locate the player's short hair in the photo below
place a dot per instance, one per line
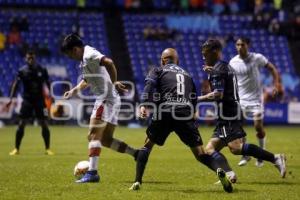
(211, 45)
(70, 41)
(245, 40)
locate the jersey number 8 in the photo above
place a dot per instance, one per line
(180, 84)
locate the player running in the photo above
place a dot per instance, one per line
(229, 131)
(99, 72)
(33, 78)
(246, 66)
(171, 91)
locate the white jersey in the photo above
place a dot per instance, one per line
(97, 76)
(248, 77)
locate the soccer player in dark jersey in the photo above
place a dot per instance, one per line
(229, 131)
(170, 92)
(33, 78)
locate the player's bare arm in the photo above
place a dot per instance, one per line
(112, 71)
(80, 86)
(12, 92)
(276, 78)
(212, 96)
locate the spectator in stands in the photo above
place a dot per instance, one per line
(14, 36)
(218, 7)
(197, 4)
(2, 41)
(262, 14)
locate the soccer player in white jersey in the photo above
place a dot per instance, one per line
(246, 65)
(99, 72)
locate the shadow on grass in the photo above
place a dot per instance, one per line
(272, 183)
(154, 182)
(195, 191)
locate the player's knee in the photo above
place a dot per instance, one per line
(259, 128)
(235, 150)
(92, 136)
(209, 150)
(106, 141)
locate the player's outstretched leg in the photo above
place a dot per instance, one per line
(19, 136)
(244, 159)
(141, 162)
(115, 144)
(278, 160)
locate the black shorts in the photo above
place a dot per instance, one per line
(159, 130)
(228, 131)
(33, 108)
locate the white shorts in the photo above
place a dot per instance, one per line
(107, 111)
(251, 109)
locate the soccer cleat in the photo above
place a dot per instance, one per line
(231, 176)
(244, 160)
(227, 186)
(136, 186)
(14, 152)
(259, 163)
(89, 177)
(280, 164)
(49, 152)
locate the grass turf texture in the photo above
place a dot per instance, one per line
(172, 172)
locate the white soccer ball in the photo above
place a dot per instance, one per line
(81, 168)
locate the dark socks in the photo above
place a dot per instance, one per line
(141, 162)
(257, 152)
(215, 161)
(46, 136)
(19, 136)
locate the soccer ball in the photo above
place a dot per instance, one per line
(81, 168)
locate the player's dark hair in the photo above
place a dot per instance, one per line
(212, 45)
(245, 40)
(70, 41)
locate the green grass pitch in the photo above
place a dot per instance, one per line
(172, 172)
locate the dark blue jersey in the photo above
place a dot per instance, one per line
(170, 85)
(33, 80)
(223, 79)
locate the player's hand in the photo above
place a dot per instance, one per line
(120, 87)
(7, 106)
(208, 69)
(143, 112)
(69, 94)
(277, 90)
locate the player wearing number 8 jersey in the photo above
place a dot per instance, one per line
(171, 90)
